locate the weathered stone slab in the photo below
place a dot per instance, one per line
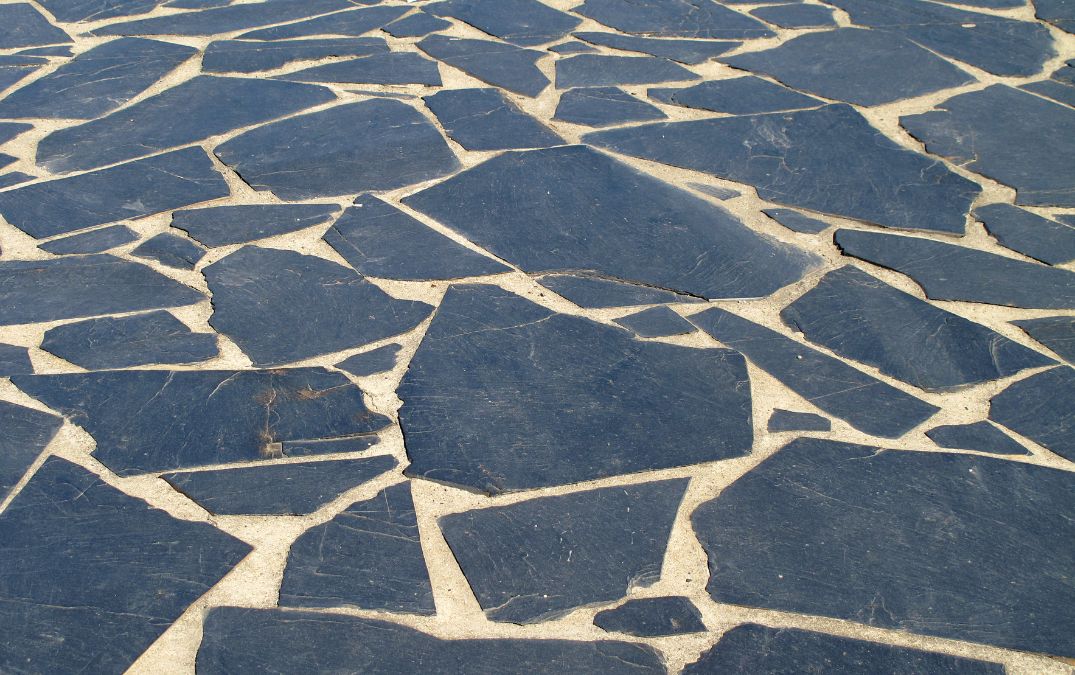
(96, 10)
(656, 322)
(572, 47)
(1058, 91)
(596, 70)
(484, 119)
(171, 250)
(1057, 12)
(598, 292)
(604, 106)
(1039, 407)
(224, 19)
(652, 617)
(1028, 233)
(371, 362)
(681, 18)
(21, 25)
(94, 241)
(684, 51)
(122, 342)
(721, 193)
(494, 63)
(9, 130)
(24, 435)
(788, 420)
(981, 436)
(738, 96)
(417, 24)
(389, 68)
(521, 22)
(795, 221)
(14, 359)
(14, 68)
(244, 56)
(223, 225)
(796, 16)
(1055, 332)
(354, 22)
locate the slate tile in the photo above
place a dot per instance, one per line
(538, 559)
(354, 22)
(122, 342)
(21, 25)
(390, 68)
(683, 51)
(789, 420)
(521, 22)
(1057, 91)
(652, 617)
(14, 359)
(370, 145)
(597, 292)
(485, 119)
(96, 10)
(596, 70)
(417, 24)
(68, 288)
(276, 489)
(1039, 407)
(118, 572)
(7, 160)
(379, 240)
(949, 272)
(26, 433)
(242, 56)
(681, 18)
(828, 160)
(603, 106)
(283, 306)
(721, 193)
(171, 250)
(796, 16)
(223, 19)
(196, 4)
(14, 178)
(494, 63)
(1060, 13)
(94, 241)
(131, 190)
(1031, 149)
(980, 436)
(148, 421)
(864, 402)
(369, 556)
(795, 221)
(942, 544)
(96, 81)
(572, 47)
(223, 225)
(751, 648)
(263, 640)
(326, 446)
(656, 322)
(738, 96)
(1055, 332)
(372, 362)
(9, 130)
(58, 50)
(505, 395)
(1028, 233)
(15, 68)
(574, 209)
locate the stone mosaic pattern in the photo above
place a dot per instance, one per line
(537, 336)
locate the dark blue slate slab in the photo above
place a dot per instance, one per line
(96, 10)
(9, 130)
(721, 193)
(58, 50)
(684, 51)
(96, 81)
(131, 190)
(196, 4)
(369, 556)
(505, 395)
(371, 362)
(69, 288)
(652, 617)
(241, 56)
(376, 144)
(860, 317)
(738, 96)
(796, 16)
(392, 68)
(981, 436)
(21, 25)
(538, 559)
(751, 648)
(171, 250)
(1030, 234)
(325, 446)
(575, 209)
(943, 544)
(521, 22)
(681, 18)
(864, 402)
(1060, 13)
(828, 160)
(793, 220)
(789, 420)
(604, 106)
(94, 241)
(24, 434)
(656, 322)
(14, 178)
(122, 342)
(494, 63)
(484, 119)
(572, 47)
(293, 489)
(379, 240)
(14, 68)
(223, 225)
(148, 421)
(118, 571)
(597, 292)
(1055, 332)
(6, 159)
(595, 70)
(14, 360)
(1039, 407)
(283, 306)
(1058, 91)
(416, 25)
(262, 640)
(224, 19)
(1031, 149)
(354, 22)
(949, 272)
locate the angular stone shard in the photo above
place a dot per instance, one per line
(738, 96)
(577, 210)
(369, 557)
(684, 51)
(788, 420)
(293, 489)
(1060, 13)
(678, 18)
(521, 22)
(371, 362)
(417, 24)
(1030, 234)
(224, 19)
(652, 617)
(595, 70)
(9, 130)
(484, 119)
(828, 160)
(21, 25)
(379, 240)
(261, 640)
(354, 22)
(538, 559)
(242, 56)
(148, 421)
(96, 10)
(15, 68)
(389, 68)
(864, 402)
(598, 292)
(1039, 407)
(122, 342)
(796, 16)
(935, 543)
(981, 436)
(795, 221)
(1055, 332)
(949, 272)
(370, 145)
(131, 190)
(721, 193)
(505, 395)
(327, 446)
(68, 288)
(14, 360)
(119, 573)
(14, 178)
(604, 106)
(94, 241)
(494, 63)
(1058, 91)
(171, 250)
(223, 225)
(656, 322)
(572, 47)
(24, 435)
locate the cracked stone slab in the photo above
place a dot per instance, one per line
(122, 342)
(596, 70)
(796, 16)
(597, 292)
(24, 435)
(14, 359)
(57, 50)
(789, 420)
(738, 96)
(418, 24)
(1039, 407)
(223, 225)
(170, 250)
(387, 68)
(541, 558)
(1060, 13)
(652, 617)
(572, 47)
(1055, 332)
(244, 56)
(21, 25)
(94, 241)
(604, 106)
(674, 18)
(119, 572)
(95, 10)
(224, 19)
(1058, 91)
(656, 322)
(795, 221)
(981, 436)
(9, 130)
(148, 421)
(526, 23)
(353, 23)
(683, 51)
(15, 68)
(495, 63)
(1032, 235)
(372, 362)
(485, 119)
(505, 395)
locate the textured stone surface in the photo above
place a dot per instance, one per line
(495, 63)
(789, 420)
(737, 95)
(793, 220)
(796, 16)
(1055, 332)
(521, 22)
(1028, 233)
(652, 617)
(122, 342)
(1039, 407)
(390, 68)
(171, 250)
(678, 18)
(684, 51)
(25, 435)
(598, 292)
(223, 225)
(596, 70)
(417, 24)
(14, 359)
(604, 106)
(371, 362)
(484, 119)
(24, 26)
(243, 56)
(656, 322)
(980, 436)
(94, 241)
(353, 22)
(224, 19)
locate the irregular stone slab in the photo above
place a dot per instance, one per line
(223, 19)
(933, 543)
(1039, 407)
(417, 24)
(241, 56)
(721, 193)
(26, 433)
(1030, 234)
(738, 96)
(575, 209)
(354, 22)
(14, 178)
(122, 342)
(684, 51)
(1057, 12)
(1055, 332)
(603, 106)
(15, 68)
(1058, 91)
(293, 489)
(376, 144)
(223, 225)
(484, 119)
(795, 221)
(326, 446)
(371, 362)
(864, 402)
(828, 160)
(596, 292)
(94, 241)
(572, 47)
(680, 18)
(949, 272)
(171, 250)
(796, 16)
(257, 640)
(541, 558)
(562, 399)
(9, 130)
(131, 190)
(14, 360)
(656, 322)
(866, 67)
(652, 617)
(980, 436)
(148, 421)
(96, 81)
(68, 288)
(283, 306)
(788, 420)
(379, 240)
(589, 70)
(58, 50)
(369, 557)
(860, 317)
(96, 10)
(521, 22)
(391, 68)
(21, 25)
(751, 648)
(494, 63)
(1033, 151)
(119, 572)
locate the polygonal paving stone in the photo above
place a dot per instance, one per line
(354, 22)
(1039, 407)
(9, 130)
(656, 322)
(1055, 332)
(1060, 13)
(494, 63)
(521, 22)
(417, 24)
(122, 342)
(788, 420)
(738, 96)
(15, 68)
(171, 250)
(96, 10)
(1028, 233)
(24, 435)
(223, 19)
(243, 56)
(595, 70)
(603, 106)
(223, 225)
(1058, 91)
(21, 25)
(981, 436)
(94, 241)
(484, 119)
(721, 193)
(14, 359)
(796, 16)
(597, 292)
(572, 47)
(795, 221)
(652, 617)
(673, 18)
(684, 51)
(390, 68)
(57, 50)
(369, 363)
